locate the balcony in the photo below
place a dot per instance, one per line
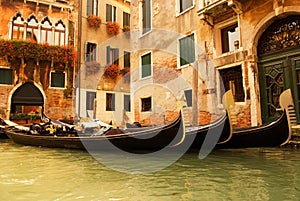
(217, 10)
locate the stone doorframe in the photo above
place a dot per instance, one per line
(14, 90)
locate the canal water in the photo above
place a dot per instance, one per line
(35, 173)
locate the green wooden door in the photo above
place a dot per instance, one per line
(278, 72)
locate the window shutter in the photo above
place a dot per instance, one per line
(146, 65)
(188, 96)
(108, 13)
(107, 54)
(116, 56)
(89, 7)
(94, 52)
(86, 52)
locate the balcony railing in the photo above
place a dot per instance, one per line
(210, 3)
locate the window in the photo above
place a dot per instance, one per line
(188, 96)
(90, 99)
(126, 59)
(17, 27)
(146, 16)
(46, 31)
(32, 29)
(60, 34)
(146, 104)
(90, 53)
(185, 4)
(232, 79)
(110, 102)
(6, 76)
(187, 50)
(111, 13)
(92, 7)
(57, 79)
(146, 65)
(126, 19)
(229, 38)
(127, 103)
(112, 55)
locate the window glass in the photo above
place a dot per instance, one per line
(185, 4)
(90, 53)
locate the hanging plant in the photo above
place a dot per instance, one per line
(112, 71)
(112, 28)
(94, 21)
(31, 50)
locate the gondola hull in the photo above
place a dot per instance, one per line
(271, 135)
(153, 138)
(216, 132)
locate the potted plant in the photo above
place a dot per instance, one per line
(112, 28)
(94, 21)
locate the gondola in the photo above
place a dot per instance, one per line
(145, 138)
(274, 134)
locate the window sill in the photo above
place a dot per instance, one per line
(145, 34)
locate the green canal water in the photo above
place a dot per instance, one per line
(35, 173)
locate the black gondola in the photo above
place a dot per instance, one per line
(145, 138)
(274, 134)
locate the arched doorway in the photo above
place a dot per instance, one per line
(27, 99)
(279, 64)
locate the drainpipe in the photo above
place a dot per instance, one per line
(79, 52)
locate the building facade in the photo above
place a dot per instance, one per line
(102, 87)
(37, 57)
(250, 47)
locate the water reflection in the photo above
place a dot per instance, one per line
(34, 173)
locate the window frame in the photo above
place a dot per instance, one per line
(141, 17)
(90, 102)
(242, 87)
(94, 7)
(143, 109)
(126, 19)
(151, 65)
(113, 10)
(127, 106)
(112, 106)
(88, 56)
(225, 43)
(178, 7)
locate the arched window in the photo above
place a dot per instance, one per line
(32, 29)
(60, 33)
(46, 31)
(17, 27)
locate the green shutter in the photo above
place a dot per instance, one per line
(89, 7)
(146, 65)
(6, 76)
(187, 50)
(58, 80)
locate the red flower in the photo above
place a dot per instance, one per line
(112, 28)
